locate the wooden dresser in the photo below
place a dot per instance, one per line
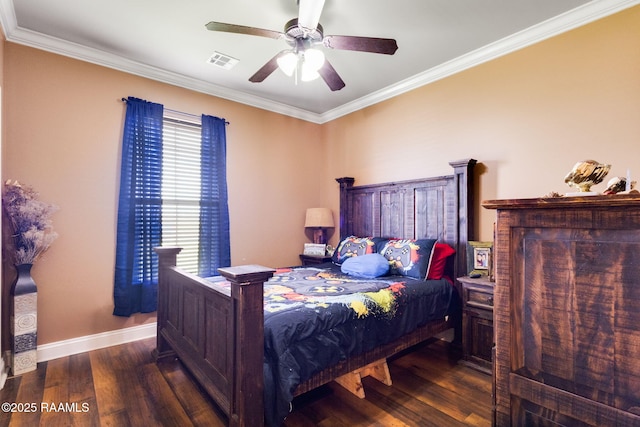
(567, 311)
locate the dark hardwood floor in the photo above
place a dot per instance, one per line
(123, 386)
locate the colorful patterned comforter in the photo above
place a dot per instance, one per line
(316, 317)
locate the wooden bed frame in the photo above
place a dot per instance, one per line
(218, 332)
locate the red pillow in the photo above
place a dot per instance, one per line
(441, 252)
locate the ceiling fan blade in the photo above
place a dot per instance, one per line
(309, 12)
(266, 70)
(241, 29)
(362, 44)
(331, 77)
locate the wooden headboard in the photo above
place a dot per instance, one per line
(436, 208)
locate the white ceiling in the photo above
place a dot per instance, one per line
(166, 40)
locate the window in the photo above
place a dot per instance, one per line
(181, 190)
(173, 191)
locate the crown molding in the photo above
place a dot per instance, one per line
(109, 60)
(7, 17)
(575, 18)
(562, 23)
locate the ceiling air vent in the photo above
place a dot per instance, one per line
(223, 61)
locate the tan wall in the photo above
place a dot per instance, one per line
(526, 117)
(64, 123)
(4, 311)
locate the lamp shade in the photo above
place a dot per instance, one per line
(287, 62)
(319, 217)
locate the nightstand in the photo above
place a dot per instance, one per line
(477, 322)
(314, 259)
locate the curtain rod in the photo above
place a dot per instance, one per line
(182, 112)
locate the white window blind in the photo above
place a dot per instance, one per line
(181, 190)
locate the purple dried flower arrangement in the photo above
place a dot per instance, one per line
(29, 220)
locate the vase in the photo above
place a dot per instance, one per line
(24, 321)
(24, 283)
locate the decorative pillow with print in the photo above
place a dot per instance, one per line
(409, 257)
(354, 246)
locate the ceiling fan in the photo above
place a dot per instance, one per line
(304, 34)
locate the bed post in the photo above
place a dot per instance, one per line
(463, 181)
(464, 190)
(345, 183)
(247, 400)
(167, 257)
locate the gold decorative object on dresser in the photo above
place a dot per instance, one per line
(567, 311)
(477, 322)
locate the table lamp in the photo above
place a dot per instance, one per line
(319, 219)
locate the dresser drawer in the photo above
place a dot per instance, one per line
(477, 298)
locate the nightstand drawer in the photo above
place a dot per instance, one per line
(476, 298)
(314, 259)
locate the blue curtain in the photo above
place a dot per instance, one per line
(139, 210)
(214, 250)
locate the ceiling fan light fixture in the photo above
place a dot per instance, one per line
(309, 12)
(313, 58)
(308, 74)
(288, 62)
(311, 61)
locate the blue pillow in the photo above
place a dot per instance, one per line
(368, 266)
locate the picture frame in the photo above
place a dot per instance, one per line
(479, 258)
(315, 249)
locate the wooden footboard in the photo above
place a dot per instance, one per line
(217, 332)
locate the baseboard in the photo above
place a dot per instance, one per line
(95, 342)
(4, 368)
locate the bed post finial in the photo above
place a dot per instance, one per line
(345, 182)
